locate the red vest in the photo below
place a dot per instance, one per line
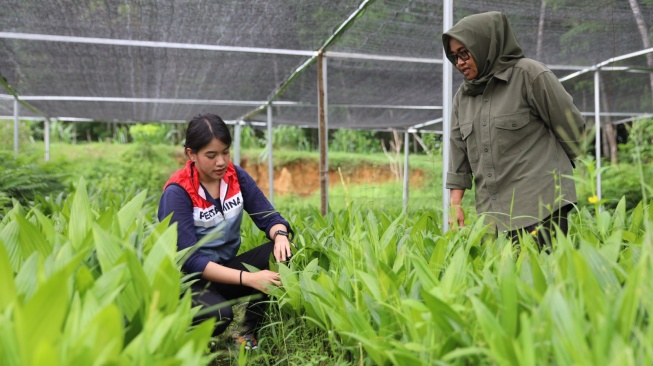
(207, 216)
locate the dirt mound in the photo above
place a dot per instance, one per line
(302, 178)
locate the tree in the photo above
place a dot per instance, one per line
(643, 32)
(540, 31)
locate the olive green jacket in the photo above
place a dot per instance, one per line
(515, 141)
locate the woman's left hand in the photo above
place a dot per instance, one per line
(282, 248)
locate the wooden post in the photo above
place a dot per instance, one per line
(16, 126)
(323, 133)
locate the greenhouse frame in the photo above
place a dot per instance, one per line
(373, 65)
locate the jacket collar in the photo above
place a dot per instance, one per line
(504, 75)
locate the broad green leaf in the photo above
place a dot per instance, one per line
(130, 211)
(159, 340)
(414, 316)
(568, 336)
(372, 228)
(81, 216)
(602, 269)
(525, 343)
(105, 335)
(494, 334)
(460, 354)
(107, 220)
(109, 285)
(509, 298)
(603, 221)
(162, 249)
(44, 353)
(84, 279)
(320, 297)
(47, 227)
(539, 280)
(10, 351)
(406, 353)
(108, 248)
(591, 292)
(603, 337)
(138, 290)
(388, 241)
(65, 256)
(612, 246)
(629, 300)
(290, 282)
(424, 273)
(31, 239)
(42, 317)
(161, 228)
(455, 274)
(637, 219)
(9, 294)
(73, 327)
(201, 333)
(437, 262)
(166, 284)
(9, 237)
(372, 285)
(619, 215)
(446, 318)
(27, 277)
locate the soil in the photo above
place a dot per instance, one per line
(302, 178)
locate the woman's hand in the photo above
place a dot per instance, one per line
(261, 280)
(458, 218)
(457, 215)
(282, 248)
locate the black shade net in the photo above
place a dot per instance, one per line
(400, 87)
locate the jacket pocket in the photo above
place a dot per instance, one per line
(513, 132)
(466, 131)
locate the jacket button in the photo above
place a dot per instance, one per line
(514, 125)
(485, 149)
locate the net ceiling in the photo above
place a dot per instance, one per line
(172, 81)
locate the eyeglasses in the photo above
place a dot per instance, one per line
(463, 55)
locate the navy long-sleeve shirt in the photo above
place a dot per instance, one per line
(177, 201)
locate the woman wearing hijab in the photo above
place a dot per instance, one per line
(514, 131)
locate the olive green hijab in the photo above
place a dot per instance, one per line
(492, 43)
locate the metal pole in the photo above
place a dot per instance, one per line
(447, 81)
(16, 106)
(46, 138)
(237, 137)
(597, 128)
(406, 151)
(270, 163)
(323, 132)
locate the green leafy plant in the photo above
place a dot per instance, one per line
(354, 141)
(365, 285)
(89, 286)
(150, 133)
(251, 138)
(7, 134)
(290, 137)
(639, 147)
(23, 179)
